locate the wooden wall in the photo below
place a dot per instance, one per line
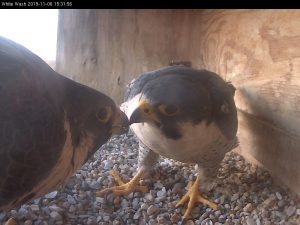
(258, 50)
(106, 49)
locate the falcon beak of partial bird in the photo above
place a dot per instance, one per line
(143, 113)
(120, 123)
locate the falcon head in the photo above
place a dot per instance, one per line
(168, 101)
(99, 117)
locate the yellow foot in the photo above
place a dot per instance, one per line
(124, 188)
(11, 221)
(193, 197)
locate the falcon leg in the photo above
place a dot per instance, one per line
(124, 188)
(193, 197)
(11, 221)
(147, 159)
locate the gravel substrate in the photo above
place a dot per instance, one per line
(246, 194)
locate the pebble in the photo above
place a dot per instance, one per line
(281, 215)
(72, 209)
(175, 218)
(2, 216)
(51, 195)
(161, 193)
(28, 222)
(136, 215)
(108, 164)
(91, 221)
(235, 197)
(151, 210)
(144, 206)
(190, 222)
(100, 200)
(135, 203)
(245, 195)
(124, 203)
(34, 207)
(106, 218)
(71, 200)
(258, 221)
(281, 203)
(290, 210)
(278, 195)
(248, 207)
(250, 221)
(148, 197)
(55, 215)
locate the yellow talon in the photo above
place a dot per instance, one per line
(11, 221)
(117, 177)
(193, 197)
(124, 188)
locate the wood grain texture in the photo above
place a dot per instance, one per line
(257, 50)
(260, 56)
(106, 49)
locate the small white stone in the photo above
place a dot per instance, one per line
(248, 207)
(190, 222)
(108, 164)
(28, 222)
(116, 222)
(258, 221)
(51, 195)
(55, 208)
(151, 210)
(71, 200)
(106, 218)
(124, 203)
(2, 215)
(144, 206)
(278, 195)
(91, 221)
(72, 209)
(35, 208)
(290, 210)
(136, 215)
(234, 197)
(161, 194)
(250, 221)
(55, 215)
(148, 197)
(100, 200)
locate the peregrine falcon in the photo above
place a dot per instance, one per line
(183, 114)
(49, 125)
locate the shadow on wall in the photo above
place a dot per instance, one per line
(276, 149)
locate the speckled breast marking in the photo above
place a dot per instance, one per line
(199, 142)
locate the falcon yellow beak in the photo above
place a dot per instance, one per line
(143, 113)
(120, 123)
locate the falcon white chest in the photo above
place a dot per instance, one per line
(199, 142)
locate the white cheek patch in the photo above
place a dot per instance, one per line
(129, 106)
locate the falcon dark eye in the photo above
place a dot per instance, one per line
(104, 114)
(168, 110)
